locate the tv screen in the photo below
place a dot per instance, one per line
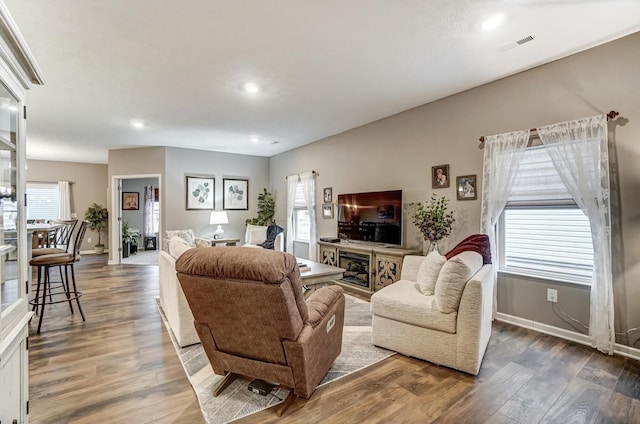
(373, 217)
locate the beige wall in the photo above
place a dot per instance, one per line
(90, 186)
(398, 153)
(183, 162)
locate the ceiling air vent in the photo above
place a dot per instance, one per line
(517, 43)
(525, 39)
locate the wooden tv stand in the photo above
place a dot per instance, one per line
(368, 267)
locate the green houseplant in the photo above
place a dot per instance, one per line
(97, 216)
(433, 219)
(129, 240)
(266, 210)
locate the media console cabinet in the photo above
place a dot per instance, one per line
(368, 267)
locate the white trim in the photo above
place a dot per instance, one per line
(620, 349)
(21, 51)
(115, 211)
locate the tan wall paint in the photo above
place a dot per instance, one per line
(398, 152)
(90, 186)
(183, 162)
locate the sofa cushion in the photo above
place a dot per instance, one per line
(404, 302)
(453, 278)
(429, 271)
(177, 246)
(186, 235)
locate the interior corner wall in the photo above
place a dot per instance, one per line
(90, 182)
(181, 163)
(398, 152)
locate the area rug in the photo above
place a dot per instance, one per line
(237, 401)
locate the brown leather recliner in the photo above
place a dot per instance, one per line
(253, 320)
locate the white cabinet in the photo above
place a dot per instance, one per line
(18, 72)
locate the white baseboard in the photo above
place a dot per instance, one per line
(620, 349)
(91, 252)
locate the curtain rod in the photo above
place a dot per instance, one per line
(48, 182)
(313, 172)
(610, 115)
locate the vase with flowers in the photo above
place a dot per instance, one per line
(433, 219)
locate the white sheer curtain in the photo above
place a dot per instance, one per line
(579, 151)
(502, 156)
(147, 218)
(308, 182)
(64, 200)
(292, 182)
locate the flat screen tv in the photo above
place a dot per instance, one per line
(371, 217)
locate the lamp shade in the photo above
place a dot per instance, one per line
(218, 217)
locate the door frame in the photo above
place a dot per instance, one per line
(115, 214)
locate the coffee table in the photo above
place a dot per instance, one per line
(317, 274)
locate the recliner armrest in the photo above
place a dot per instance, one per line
(321, 301)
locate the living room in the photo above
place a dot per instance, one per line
(399, 151)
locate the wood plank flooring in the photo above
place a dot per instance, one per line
(120, 367)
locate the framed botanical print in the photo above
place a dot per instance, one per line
(440, 176)
(235, 195)
(466, 187)
(200, 192)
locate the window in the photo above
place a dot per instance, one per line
(301, 219)
(543, 233)
(42, 201)
(551, 242)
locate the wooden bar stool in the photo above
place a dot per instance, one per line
(65, 290)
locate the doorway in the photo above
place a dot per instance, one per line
(136, 222)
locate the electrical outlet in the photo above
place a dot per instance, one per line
(552, 295)
(88, 239)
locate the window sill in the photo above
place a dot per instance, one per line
(542, 277)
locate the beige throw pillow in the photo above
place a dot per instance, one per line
(429, 271)
(177, 246)
(257, 235)
(453, 278)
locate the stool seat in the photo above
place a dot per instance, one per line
(53, 259)
(46, 251)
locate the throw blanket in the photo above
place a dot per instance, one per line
(476, 243)
(272, 232)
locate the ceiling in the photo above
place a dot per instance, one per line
(324, 66)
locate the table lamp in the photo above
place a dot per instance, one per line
(218, 218)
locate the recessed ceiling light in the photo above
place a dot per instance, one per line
(250, 87)
(254, 139)
(493, 22)
(137, 124)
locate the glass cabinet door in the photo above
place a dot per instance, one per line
(11, 291)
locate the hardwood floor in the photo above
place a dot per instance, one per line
(120, 367)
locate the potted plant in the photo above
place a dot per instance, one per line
(97, 216)
(433, 219)
(129, 240)
(266, 210)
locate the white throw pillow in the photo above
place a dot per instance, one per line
(177, 246)
(429, 271)
(453, 278)
(257, 235)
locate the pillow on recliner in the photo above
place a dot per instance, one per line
(429, 271)
(453, 278)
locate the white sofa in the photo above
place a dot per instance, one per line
(172, 299)
(257, 234)
(448, 323)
